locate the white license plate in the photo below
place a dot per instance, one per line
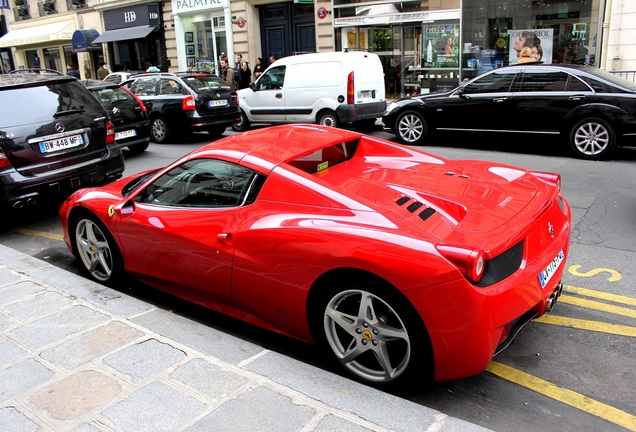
(125, 134)
(364, 94)
(61, 143)
(548, 272)
(216, 103)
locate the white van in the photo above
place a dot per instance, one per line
(325, 88)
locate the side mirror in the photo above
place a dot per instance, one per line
(461, 92)
(253, 86)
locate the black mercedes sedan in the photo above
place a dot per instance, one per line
(591, 109)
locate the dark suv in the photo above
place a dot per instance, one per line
(55, 137)
(185, 102)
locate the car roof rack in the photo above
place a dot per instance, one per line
(36, 70)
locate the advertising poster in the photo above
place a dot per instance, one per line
(538, 42)
(441, 46)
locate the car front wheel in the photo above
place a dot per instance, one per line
(592, 138)
(159, 130)
(411, 128)
(97, 250)
(372, 335)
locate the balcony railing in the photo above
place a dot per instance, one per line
(627, 74)
(47, 7)
(75, 4)
(21, 12)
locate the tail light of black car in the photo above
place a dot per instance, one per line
(110, 132)
(188, 103)
(4, 160)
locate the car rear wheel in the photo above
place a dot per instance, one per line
(328, 118)
(243, 125)
(411, 128)
(138, 148)
(97, 250)
(372, 334)
(592, 138)
(216, 131)
(159, 130)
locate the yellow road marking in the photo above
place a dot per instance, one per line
(563, 395)
(48, 235)
(600, 295)
(597, 326)
(613, 278)
(594, 305)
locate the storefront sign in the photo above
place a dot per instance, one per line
(4, 4)
(132, 16)
(181, 6)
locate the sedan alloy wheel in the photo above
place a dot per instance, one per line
(592, 139)
(411, 128)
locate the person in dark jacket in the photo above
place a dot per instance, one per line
(71, 70)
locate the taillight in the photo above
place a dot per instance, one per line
(471, 262)
(188, 104)
(350, 91)
(237, 99)
(4, 160)
(110, 132)
(139, 101)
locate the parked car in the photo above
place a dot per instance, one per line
(120, 77)
(330, 89)
(185, 102)
(591, 109)
(397, 261)
(55, 137)
(127, 112)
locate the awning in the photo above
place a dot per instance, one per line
(82, 41)
(57, 31)
(124, 34)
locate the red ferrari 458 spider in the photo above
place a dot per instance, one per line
(397, 261)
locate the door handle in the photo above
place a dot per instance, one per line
(577, 97)
(225, 238)
(279, 95)
(499, 100)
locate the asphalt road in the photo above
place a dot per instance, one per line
(572, 371)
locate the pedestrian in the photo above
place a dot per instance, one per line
(103, 71)
(72, 70)
(246, 76)
(272, 59)
(227, 73)
(259, 68)
(238, 70)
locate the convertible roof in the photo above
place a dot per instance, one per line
(268, 147)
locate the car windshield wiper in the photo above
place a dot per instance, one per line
(68, 112)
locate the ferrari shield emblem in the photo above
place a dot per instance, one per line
(111, 210)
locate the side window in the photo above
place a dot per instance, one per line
(576, 85)
(543, 81)
(201, 183)
(144, 87)
(272, 79)
(496, 82)
(170, 87)
(599, 86)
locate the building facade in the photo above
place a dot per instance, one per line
(424, 45)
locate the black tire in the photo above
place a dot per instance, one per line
(592, 138)
(96, 250)
(385, 344)
(411, 128)
(159, 130)
(216, 131)
(138, 148)
(328, 118)
(243, 125)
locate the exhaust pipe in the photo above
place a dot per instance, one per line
(31, 201)
(551, 301)
(18, 204)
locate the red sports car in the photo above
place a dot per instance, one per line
(398, 261)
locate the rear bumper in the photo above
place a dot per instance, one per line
(359, 112)
(18, 191)
(222, 119)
